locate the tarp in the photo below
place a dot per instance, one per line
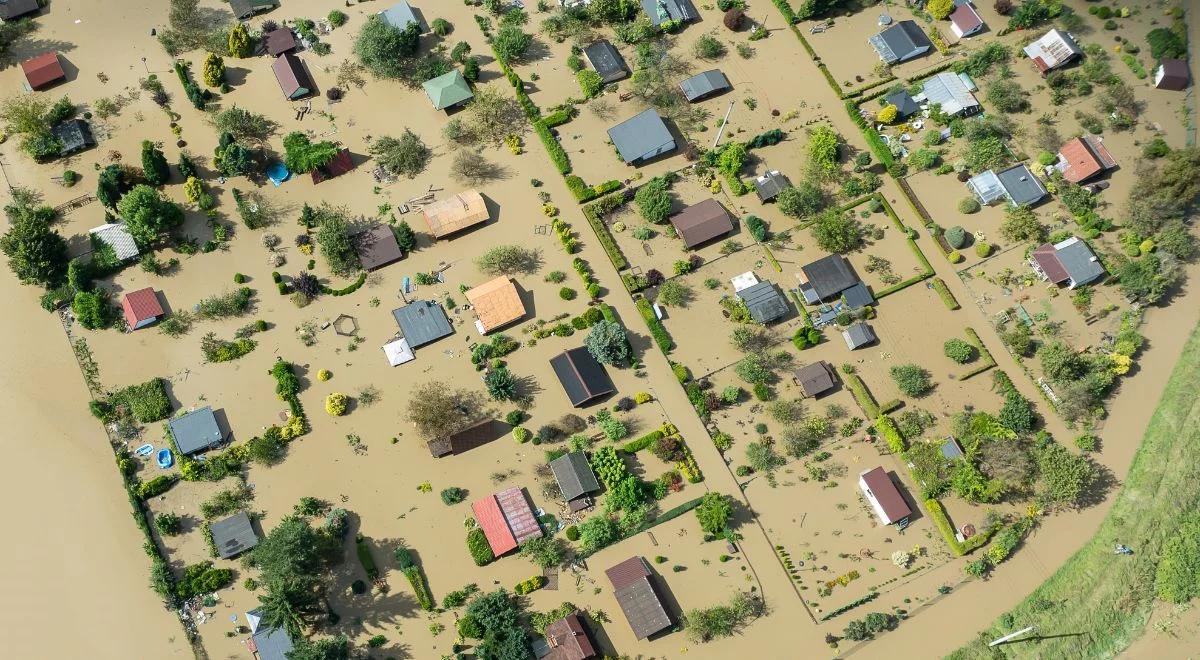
(398, 352)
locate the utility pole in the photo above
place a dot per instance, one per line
(1009, 636)
(721, 131)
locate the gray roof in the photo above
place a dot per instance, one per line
(272, 643)
(642, 137)
(233, 535)
(902, 41)
(1021, 186)
(858, 335)
(951, 449)
(574, 475)
(816, 378)
(400, 15)
(10, 9)
(606, 60)
(905, 105)
(196, 431)
(75, 135)
(639, 601)
(769, 185)
(248, 8)
(765, 302)
(117, 236)
(986, 186)
(582, 377)
(422, 322)
(704, 85)
(858, 296)
(949, 91)
(829, 276)
(660, 10)
(1079, 261)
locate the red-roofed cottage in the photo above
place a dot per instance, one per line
(141, 308)
(1083, 158)
(885, 499)
(965, 21)
(506, 519)
(341, 163)
(43, 70)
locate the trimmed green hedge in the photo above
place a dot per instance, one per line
(861, 394)
(558, 155)
(585, 193)
(351, 288)
(891, 434)
(945, 293)
(644, 442)
(938, 513)
(602, 234)
(478, 546)
(657, 330)
(986, 361)
(557, 118)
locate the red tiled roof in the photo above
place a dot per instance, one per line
(141, 305)
(885, 494)
(569, 640)
(518, 514)
(627, 572)
(1047, 259)
(1084, 159)
(43, 69)
(965, 18)
(495, 528)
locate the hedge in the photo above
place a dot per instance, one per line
(351, 288)
(771, 258)
(585, 193)
(557, 118)
(862, 395)
(364, 557)
(945, 293)
(891, 434)
(660, 334)
(480, 549)
(558, 155)
(156, 486)
(872, 136)
(604, 236)
(851, 605)
(644, 442)
(938, 513)
(986, 360)
(912, 244)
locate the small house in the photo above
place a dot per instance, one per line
(769, 185)
(267, 642)
(141, 308)
(950, 92)
(642, 137)
(454, 214)
(497, 303)
(506, 519)
(1016, 184)
(815, 379)
(196, 431)
(581, 376)
(858, 335)
(704, 85)
(575, 479)
(75, 136)
(11, 10)
(826, 278)
(1069, 262)
(448, 90)
(858, 296)
(568, 639)
(1083, 158)
(1053, 50)
(467, 439)
(244, 9)
(906, 105)
(1172, 74)
(883, 496)
(765, 302)
(901, 42)
(292, 77)
(422, 322)
(377, 247)
(279, 41)
(340, 164)
(701, 223)
(42, 71)
(117, 237)
(233, 535)
(638, 598)
(606, 60)
(965, 21)
(659, 11)
(400, 16)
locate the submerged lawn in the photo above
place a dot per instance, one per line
(1096, 604)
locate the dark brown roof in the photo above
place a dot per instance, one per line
(702, 222)
(1047, 259)
(569, 640)
(816, 378)
(280, 41)
(582, 377)
(467, 439)
(341, 163)
(890, 502)
(10, 9)
(637, 597)
(1174, 75)
(292, 77)
(377, 247)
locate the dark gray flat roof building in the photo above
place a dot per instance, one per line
(234, 535)
(606, 60)
(858, 335)
(574, 475)
(642, 137)
(75, 135)
(675, 10)
(765, 302)
(639, 600)
(858, 296)
(902, 41)
(582, 377)
(1021, 186)
(704, 85)
(829, 276)
(422, 322)
(196, 431)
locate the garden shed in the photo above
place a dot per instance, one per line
(606, 60)
(75, 136)
(268, 642)
(906, 105)
(1084, 157)
(829, 276)
(642, 137)
(377, 247)
(14, 9)
(244, 9)
(765, 302)
(497, 303)
(339, 165)
(769, 185)
(467, 439)
(568, 639)
(950, 91)
(965, 21)
(1016, 184)
(448, 90)
(398, 352)
(1172, 74)
(141, 308)
(422, 322)
(506, 519)
(704, 85)
(454, 214)
(669, 10)
(1069, 262)
(638, 598)
(815, 379)
(233, 535)
(116, 236)
(858, 296)
(858, 335)
(901, 42)
(700, 223)
(279, 41)
(883, 496)
(196, 431)
(43, 70)
(574, 476)
(1053, 50)
(292, 77)
(400, 15)
(581, 376)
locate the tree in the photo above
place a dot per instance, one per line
(1064, 476)
(924, 159)
(838, 232)
(510, 43)
(303, 155)
(612, 12)
(334, 240)
(1017, 414)
(749, 339)
(823, 144)
(732, 158)
(25, 114)
(653, 200)
(911, 379)
(214, 70)
(800, 201)
(406, 238)
(36, 253)
(439, 411)
(472, 168)
(110, 185)
(708, 47)
(597, 532)
(590, 82)
(243, 124)
(1021, 225)
(1176, 240)
(675, 293)
(240, 44)
(12, 30)
(384, 49)
(958, 350)
(714, 513)
(491, 115)
(1149, 278)
(471, 70)
(1060, 362)
(501, 384)
(148, 215)
(406, 155)
(1019, 339)
(1167, 44)
(327, 648)
(606, 341)
(233, 159)
(154, 164)
(508, 260)
(754, 369)
(1007, 96)
(939, 9)
(544, 551)
(762, 457)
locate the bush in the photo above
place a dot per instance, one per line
(453, 495)
(572, 533)
(983, 249)
(336, 404)
(477, 545)
(590, 82)
(912, 379)
(707, 47)
(956, 237)
(1089, 443)
(653, 200)
(757, 227)
(168, 524)
(441, 27)
(958, 350)
(567, 293)
(521, 434)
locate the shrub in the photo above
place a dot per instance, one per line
(757, 227)
(567, 293)
(887, 114)
(441, 27)
(707, 47)
(477, 545)
(336, 404)
(572, 533)
(983, 249)
(956, 237)
(955, 257)
(147, 402)
(958, 350)
(168, 524)
(521, 434)
(653, 200)
(590, 82)
(1087, 442)
(453, 495)
(912, 379)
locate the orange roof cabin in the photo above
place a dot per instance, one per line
(497, 303)
(454, 214)
(1083, 158)
(43, 70)
(506, 519)
(141, 308)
